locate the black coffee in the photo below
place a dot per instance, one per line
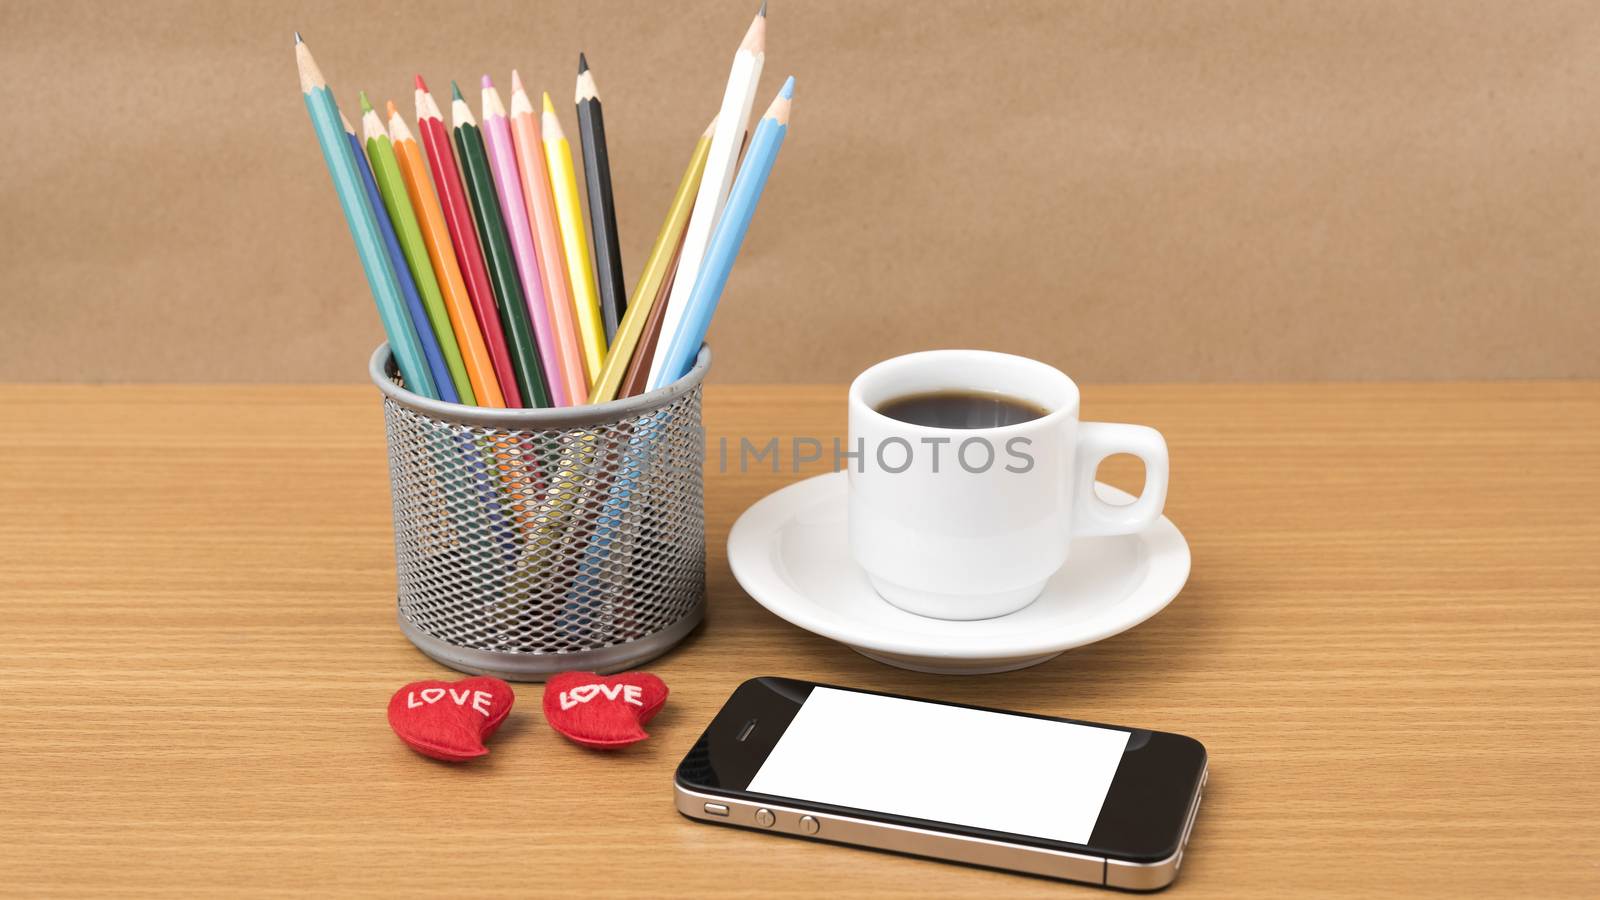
(961, 409)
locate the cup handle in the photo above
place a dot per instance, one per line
(1098, 440)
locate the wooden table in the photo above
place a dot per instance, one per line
(1390, 644)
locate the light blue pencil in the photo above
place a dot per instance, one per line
(726, 239)
(358, 214)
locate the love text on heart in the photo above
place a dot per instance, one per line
(429, 696)
(630, 693)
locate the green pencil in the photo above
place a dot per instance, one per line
(361, 217)
(497, 253)
(392, 187)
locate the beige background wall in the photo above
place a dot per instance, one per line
(1135, 191)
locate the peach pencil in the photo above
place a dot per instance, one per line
(569, 212)
(529, 144)
(508, 182)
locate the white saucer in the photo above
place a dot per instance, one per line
(790, 552)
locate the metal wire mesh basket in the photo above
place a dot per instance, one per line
(535, 541)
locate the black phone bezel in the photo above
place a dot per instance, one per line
(1141, 821)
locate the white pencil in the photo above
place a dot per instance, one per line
(721, 163)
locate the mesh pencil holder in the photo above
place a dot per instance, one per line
(535, 541)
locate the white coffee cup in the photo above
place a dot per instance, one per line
(942, 535)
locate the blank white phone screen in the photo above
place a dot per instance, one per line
(947, 764)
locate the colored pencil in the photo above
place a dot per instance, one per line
(732, 120)
(452, 287)
(392, 188)
(637, 380)
(362, 220)
(580, 272)
(668, 239)
(547, 233)
(464, 238)
(514, 209)
(726, 240)
(497, 252)
(440, 373)
(602, 202)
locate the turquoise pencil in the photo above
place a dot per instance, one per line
(726, 239)
(358, 214)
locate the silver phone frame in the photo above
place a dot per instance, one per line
(944, 845)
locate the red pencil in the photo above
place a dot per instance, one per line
(453, 197)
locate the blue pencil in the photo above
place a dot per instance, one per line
(444, 387)
(358, 214)
(726, 239)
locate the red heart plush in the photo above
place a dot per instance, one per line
(603, 712)
(449, 720)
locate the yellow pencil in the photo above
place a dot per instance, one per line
(655, 269)
(580, 269)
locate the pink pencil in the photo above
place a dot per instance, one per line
(503, 160)
(547, 233)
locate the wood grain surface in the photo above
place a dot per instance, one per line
(1389, 645)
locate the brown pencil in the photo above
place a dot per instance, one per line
(638, 377)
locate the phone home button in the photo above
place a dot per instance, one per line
(764, 817)
(809, 825)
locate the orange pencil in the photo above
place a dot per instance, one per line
(436, 234)
(541, 211)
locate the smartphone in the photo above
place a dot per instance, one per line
(1037, 794)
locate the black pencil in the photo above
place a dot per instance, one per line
(602, 203)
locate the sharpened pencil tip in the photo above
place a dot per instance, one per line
(422, 85)
(297, 38)
(366, 105)
(548, 106)
(762, 12)
(583, 63)
(389, 108)
(487, 82)
(788, 89)
(516, 82)
(455, 91)
(755, 37)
